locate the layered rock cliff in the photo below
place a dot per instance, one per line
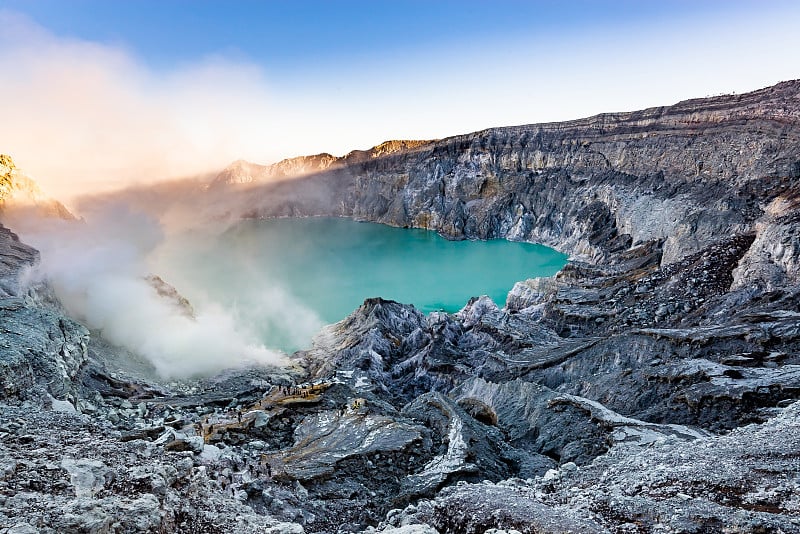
(42, 351)
(684, 174)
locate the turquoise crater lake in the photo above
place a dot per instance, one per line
(287, 277)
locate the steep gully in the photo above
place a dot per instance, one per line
(599, 400)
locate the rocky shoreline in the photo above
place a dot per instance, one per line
(650, 386)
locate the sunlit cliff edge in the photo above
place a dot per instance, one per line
(20, 192)
(243, 172)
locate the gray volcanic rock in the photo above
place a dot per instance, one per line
(469, 449)
(168, 292)
(41, 351)
(772, 259)
(15, 257)
(399, 353)
(745, 481)
(323, 439)
(506, 507)
(650, 386)
(65, 473)
(563, 427)
(391, 349)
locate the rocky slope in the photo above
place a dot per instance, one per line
(651, 386)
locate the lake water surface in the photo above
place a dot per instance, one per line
(289, 276)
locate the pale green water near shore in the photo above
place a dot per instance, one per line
(287, 277)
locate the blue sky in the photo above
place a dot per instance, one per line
(292, 35)
(186, 86)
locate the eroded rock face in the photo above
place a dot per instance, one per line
(772, 260)
(41, 350)
(15, 257)
(742, 482)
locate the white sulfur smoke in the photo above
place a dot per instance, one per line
(98, 270)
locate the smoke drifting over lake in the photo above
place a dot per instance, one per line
(99, 270)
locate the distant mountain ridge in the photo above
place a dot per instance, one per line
(245, 172)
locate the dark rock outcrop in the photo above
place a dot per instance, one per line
(736, 483)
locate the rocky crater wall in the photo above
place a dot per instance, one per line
(685, 175)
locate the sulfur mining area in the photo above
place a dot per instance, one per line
(651, 385)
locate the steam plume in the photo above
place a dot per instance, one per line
(98, 270)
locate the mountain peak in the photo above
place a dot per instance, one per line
(7, 172)
(245, 172)
(20, 191)
(6, 163)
